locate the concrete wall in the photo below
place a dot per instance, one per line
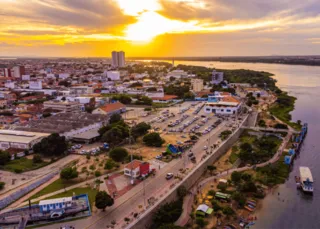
(145, 219)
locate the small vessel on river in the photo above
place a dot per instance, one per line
(306, 180)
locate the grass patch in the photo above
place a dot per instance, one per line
(233, 158)
(54, 186)
(22, 165)
(282, 109)
(76, 191)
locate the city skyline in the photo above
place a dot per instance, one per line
(60, 28)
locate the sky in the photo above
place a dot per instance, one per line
(94, 28)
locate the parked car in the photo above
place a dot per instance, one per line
(159, 157)
(169, 176)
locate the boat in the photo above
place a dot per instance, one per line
(306, 180)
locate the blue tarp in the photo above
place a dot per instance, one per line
(287, 160)
(291, 151)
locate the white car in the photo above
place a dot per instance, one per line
(205, 147)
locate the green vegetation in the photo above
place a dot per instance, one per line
(125, 99)
(53, 145)
(118, 154)
(167, 214)
(273, 174)
(103, 200)
(54, 186)
(177, 90)
(4, 157)
(233, 157)
(115, 132)
(144, 100)
(153, 139)
(2, 184)
(225, 134)
(110, 164)
(262, 123)
(22, 165)
(256, 150)
(69, 173)
(140, 129)
(282, 108)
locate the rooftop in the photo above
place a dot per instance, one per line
(112, 107)
(57, 200)
(20, 136)
(133, 164)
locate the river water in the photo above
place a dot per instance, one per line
(291, 208)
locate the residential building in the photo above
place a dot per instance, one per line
(10, 84)
(19, 139)
(80, 90)
(256, 92)
(25, 77)
(110, 109)
(3, 103)
(165, 99)
(178, 74)
(62, 75)
(217, 77)
(222, 103)
(18, 71)
(137, 168)
(118, 59)
(62, 106)
(197, 85)
(113, 75)
(35, 84)
(7, 72)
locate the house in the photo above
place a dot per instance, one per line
(222, 103)
(165, 99)
(256, 92)
(203, 210)
(137, 168)
(111, 108)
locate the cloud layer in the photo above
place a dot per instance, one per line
(36, 27)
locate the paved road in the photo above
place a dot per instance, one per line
(155, 187)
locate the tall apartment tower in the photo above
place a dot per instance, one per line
(118, 59)
(18, 71)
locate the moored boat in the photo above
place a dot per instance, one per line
(306, 179)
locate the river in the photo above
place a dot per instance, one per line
(291, 208)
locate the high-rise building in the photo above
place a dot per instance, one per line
(18, 71)
(217, 77)
(118, 59)
(197, 85)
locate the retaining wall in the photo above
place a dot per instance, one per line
(145, 219)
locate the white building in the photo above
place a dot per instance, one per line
(113, 75)
(197, 85)
(10, 84)
(80, 90)
(217, 77)
(35, 85)
(63, 75)
(222, 103)
(19, 139)
(178, 74)
(25, 77)
(118, 59)
(63, 106)
(18, 71)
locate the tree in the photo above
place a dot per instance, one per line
(140, 129)
(103, 200)
(118, 154)
(37, 159)
(201, 222)
(110, 164)
(182, 191)
(115, 118)
(69, 173)
(4, 157)
(153, 139)
(211, 168)
(2, 184)
(170, 226)
(235, 177)
(228, 211)
(246, 147)
(262, 123)
(115, 135)
(53, 145)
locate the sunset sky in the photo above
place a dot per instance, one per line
(87, 28)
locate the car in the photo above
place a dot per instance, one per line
(159, 157)
(205, 147)
(169, 176)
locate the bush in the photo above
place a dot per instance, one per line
(167, 213)
(4, 157)
(2, 184)
(69, 173)
(235, 177)
(97, 173)
(115, 118)
(36, 159)
(211, 192)
(118, 154)
(222, 187)
(216, 206)
(262, 123)
(228, 211)
(182, 191)
(110, 164)
(153, 139)
(201, 222)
